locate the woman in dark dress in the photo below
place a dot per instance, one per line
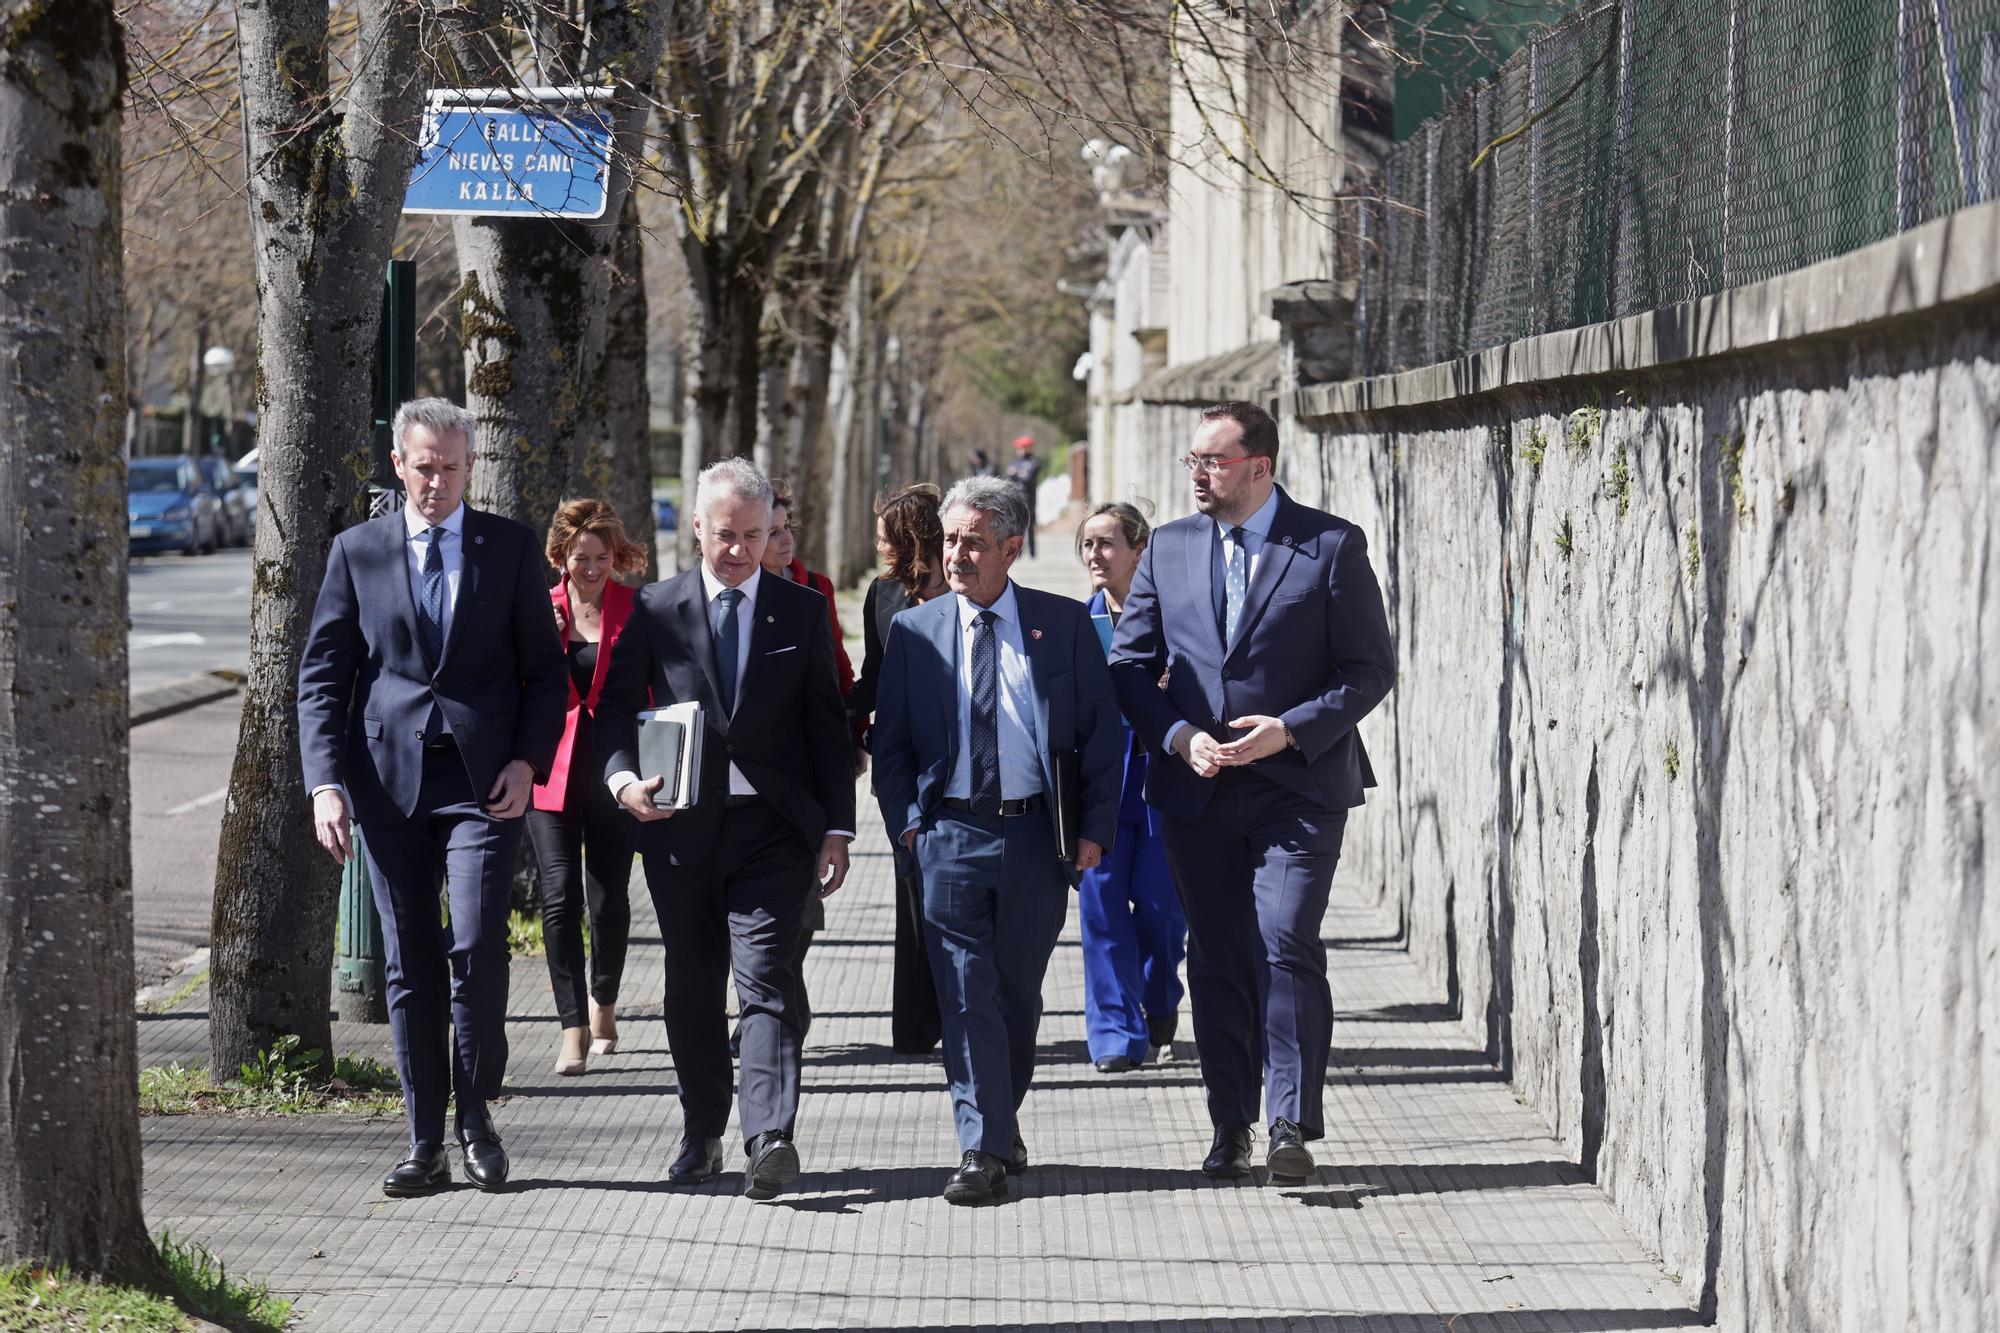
(909, 536)
(582, 839)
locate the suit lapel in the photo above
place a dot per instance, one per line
(762, 630)
(1272, 562)
(1201, 545)
(691, 611)
(617, 608)
(396, 549)
(945, 635)
(471, 539)
(1043, 658)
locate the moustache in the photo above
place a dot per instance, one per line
(967, 570)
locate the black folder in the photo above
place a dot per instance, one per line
(670, 748)
(1066, 801)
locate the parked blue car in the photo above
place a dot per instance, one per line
(172, 507)
(665, 517)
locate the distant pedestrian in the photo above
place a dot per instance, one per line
(982, 466)
(731, 876)
(429, 723)
(1272, 621)
(1134, 935)
(909, 539)
(582, 839)
(1024, 472)
(986, 697)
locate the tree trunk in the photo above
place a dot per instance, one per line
(622, 468)
(69, 1123)
(325, 194)
(724, 380)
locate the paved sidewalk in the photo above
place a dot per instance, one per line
(1441, 1202)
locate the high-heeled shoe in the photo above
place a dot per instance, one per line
(603, 1028)
(571, 1060)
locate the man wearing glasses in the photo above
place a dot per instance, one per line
(1265, 621)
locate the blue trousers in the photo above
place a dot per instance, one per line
(1134, 938)
(995, 895)
(444, 980)
(1254, 874)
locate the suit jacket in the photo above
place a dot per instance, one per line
(916, 709)
(789, 733)
(365, 689)
(1132, 806)
(618, 600)
(1312, 647)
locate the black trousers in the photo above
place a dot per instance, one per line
(444, 979)
(585, 857)
(915, 1024)
(738, 912)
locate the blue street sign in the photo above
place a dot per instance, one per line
(513, 161)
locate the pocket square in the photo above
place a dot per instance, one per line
(788, 648)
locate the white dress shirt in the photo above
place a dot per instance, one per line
(1256, 531)
(712, 587)
(1020, 760)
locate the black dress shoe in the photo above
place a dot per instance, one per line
(1017, 1165)
(980, 1178)
(1117, 1064)
(699, 1160)
(1230, 1157)
(1160, 1028)
(485, 1159)
(424, 1170)
(774, 1164)
(1287, 1158)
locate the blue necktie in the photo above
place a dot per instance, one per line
(725, 647)
(430, 617)
(1235, 586)
(985, 717)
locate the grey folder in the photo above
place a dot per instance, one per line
(670, 748)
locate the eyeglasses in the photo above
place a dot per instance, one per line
(1203, 465)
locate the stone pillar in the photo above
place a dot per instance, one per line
(1316, 344)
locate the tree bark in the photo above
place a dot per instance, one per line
(325, 193)
(535, 290)
(69, 1122)
(621, 470)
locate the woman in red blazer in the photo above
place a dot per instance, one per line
(582, 840)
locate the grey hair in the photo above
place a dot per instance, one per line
(997, 498)
(736, 477)
(440, 416)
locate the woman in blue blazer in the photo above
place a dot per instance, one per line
(1134, 935)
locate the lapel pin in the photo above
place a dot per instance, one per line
(1034, 634)
(479, 541)
(770, 620)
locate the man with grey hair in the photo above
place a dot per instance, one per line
(993, 704)
(431, 699)
(731, 876)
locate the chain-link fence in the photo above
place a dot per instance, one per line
(1652, 151)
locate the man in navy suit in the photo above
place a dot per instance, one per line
(985, 696)
(732, 876)
(1252, 643)
(431, 698)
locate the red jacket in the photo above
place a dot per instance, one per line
(617, 609)
(823, 585)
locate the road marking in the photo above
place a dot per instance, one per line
(141, 642)
(189, 807)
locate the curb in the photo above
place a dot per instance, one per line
(177, 696)
(186, 971)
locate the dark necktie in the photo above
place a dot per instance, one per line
(725, 647)
(430, 617)
(985, 717)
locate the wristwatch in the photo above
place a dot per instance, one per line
(1291, 741)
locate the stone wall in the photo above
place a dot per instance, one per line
(1693, 761)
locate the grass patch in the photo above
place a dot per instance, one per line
(1585, 425)
(1732, 466)
(1535, 448)
(524, 934)
(1673, 761)
(1693, 558)
(1566, 538)
(1620, 485)
(182, 994)
(36, 1298)
(279, 1082)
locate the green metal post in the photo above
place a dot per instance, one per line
(357, 968)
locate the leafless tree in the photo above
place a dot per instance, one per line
(69, 1124)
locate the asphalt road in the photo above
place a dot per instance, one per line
(180, 774)
(189, 615)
